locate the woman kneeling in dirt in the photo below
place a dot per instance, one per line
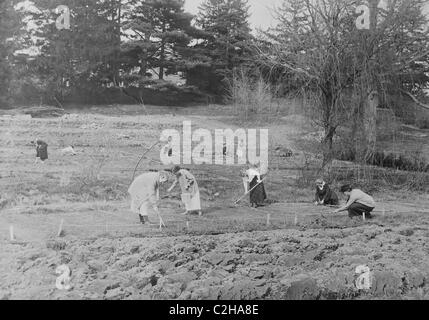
(144, 193)
(190, 191)
(358, 202)
(41, 150)
(324, 194)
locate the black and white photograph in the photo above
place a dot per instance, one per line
(244, 151)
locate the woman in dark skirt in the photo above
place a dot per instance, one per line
(252, 177)
(41, 150)
(257, 195)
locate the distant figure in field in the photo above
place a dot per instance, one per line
(324, 194)
(252, 180)
(68, 151)
(190, 191)
(168, 148)
(241, 152)
(358, 202)
(144, 192)
(41, 150)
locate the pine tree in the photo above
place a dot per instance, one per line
(86, 53)
(158, 30)
(224, 43)
(9, 32)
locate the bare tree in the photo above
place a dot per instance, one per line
(346, 71)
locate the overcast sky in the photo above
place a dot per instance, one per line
(260, 10)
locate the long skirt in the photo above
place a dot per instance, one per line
(257, 195)
(192, 201)
(42, 152)
(144, 207)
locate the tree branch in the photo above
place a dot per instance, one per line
(419, 103)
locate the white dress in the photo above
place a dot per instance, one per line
(190, 191)
(144, 192)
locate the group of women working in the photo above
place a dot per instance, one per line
(144, 190)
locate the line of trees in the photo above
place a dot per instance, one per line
(315, 50)
(127, 42)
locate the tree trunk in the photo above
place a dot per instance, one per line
(162, 55)
(370, 127)
(161, 60)
(327, 145)
(143, 65)
(372, 100)
(116, 23)
(357, 132)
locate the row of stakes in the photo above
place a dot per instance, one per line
(60, 229)
(268, 221)
(188, 226)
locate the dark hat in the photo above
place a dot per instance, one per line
(345, 188)
(175, 169)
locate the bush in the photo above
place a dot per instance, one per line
(372, 179)
(154, 92)
(399, 162)
(414, 162)
(248, 95)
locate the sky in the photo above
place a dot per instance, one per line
(260, 10)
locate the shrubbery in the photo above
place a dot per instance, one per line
(383, 159)
(154, 92)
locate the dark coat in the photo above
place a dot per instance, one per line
(328, 196)
(41, 150)
(257, 195)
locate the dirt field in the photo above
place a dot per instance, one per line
(289, 249)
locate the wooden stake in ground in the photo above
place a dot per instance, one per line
(12, 235)
(296, 219)
(363, 216)
(187, 225)
(60, 229)
(161, 222)
(268, 219)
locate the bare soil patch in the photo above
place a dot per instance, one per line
(288, 249)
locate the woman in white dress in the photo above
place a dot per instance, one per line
(241, 150)
(190, 191)
(144, 192)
